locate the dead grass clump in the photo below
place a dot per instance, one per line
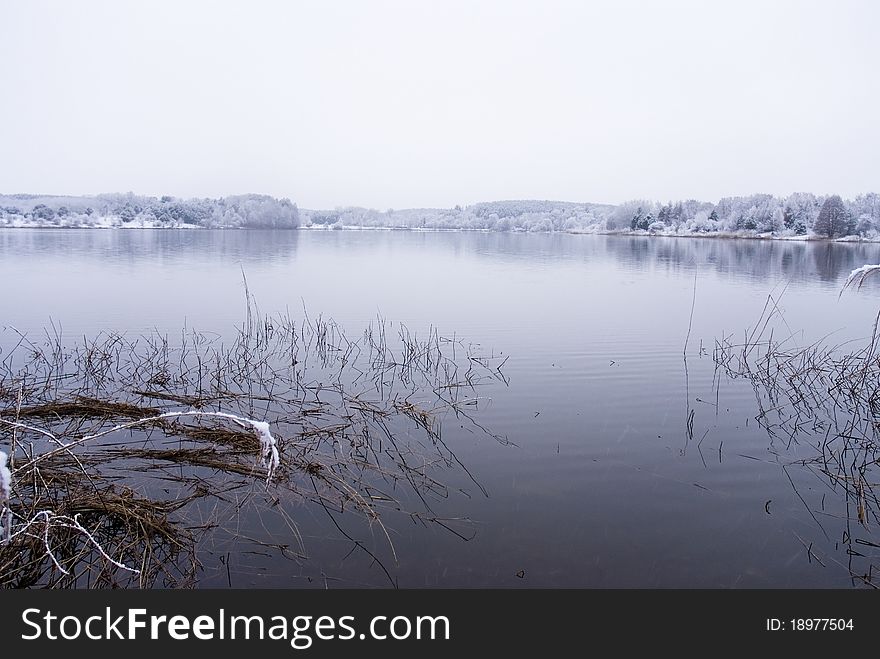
(820, 406)
(85, 408)
(133, 460)
(138, 532)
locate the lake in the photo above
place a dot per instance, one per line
(623, 456)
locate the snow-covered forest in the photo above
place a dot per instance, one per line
(135, 211)
(797, 215)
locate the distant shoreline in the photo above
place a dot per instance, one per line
(716, 235)
(798, 216)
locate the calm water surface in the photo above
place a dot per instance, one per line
(602, 486)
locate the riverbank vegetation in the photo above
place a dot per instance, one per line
(149, 461)
(819, 404)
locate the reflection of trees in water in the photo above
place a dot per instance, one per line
(246, 245)
(793, 261)
(828, 262)
(759, 259)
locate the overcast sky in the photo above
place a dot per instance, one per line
(406, 104)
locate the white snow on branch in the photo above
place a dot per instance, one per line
(5, 478)
(857, 277)
(268, 446)
(50, 520)
(268, 455)
(5, 493)
(865, 269)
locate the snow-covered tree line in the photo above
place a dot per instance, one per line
(488, 216)
(798, 214)
(121, 210)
